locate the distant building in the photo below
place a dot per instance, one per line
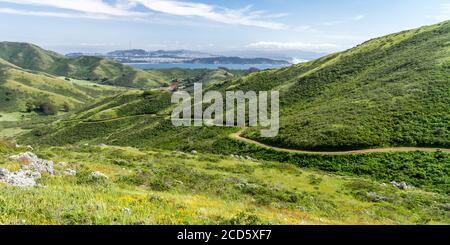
(174, 85)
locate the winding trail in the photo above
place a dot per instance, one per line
(237, 136)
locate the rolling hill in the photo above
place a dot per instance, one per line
(19, 87)
(30, 74)
(389, 91)
(95, 69)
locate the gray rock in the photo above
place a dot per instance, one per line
(194, 152)
(43, 166)
(28, 173)
(29, 147)
(125, 210)
(26, 158)
(401, 186)
(98, 174)
(32, 162)
(102, 145)
(70, 172)
(20, 178)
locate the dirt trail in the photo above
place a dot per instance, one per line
(238, 136)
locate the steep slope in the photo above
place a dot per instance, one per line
(99, 70)
(390, 91)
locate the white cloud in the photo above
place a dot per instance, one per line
(323, 47)
(85, 6)
(218, 14)
(50, 14)
(123, 8)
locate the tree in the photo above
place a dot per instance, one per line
(66, 107)
(30, 107)
(47, 108)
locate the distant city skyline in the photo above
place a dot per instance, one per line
(231, 26)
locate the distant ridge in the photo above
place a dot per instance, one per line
(178, 56)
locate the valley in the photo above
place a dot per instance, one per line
(364, 139)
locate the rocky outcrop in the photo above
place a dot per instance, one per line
(31, 162)
(30, 171)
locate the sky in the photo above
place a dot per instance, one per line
(221, 26)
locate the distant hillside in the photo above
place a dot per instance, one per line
(95, 69)
(19, 87)
(28, 56)
(389, 91)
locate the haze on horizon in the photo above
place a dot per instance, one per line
(228, 27)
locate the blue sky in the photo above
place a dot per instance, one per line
(213, 26)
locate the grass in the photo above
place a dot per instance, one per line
(11, 117)
(18, 87)
(163, 187)
(389, 91)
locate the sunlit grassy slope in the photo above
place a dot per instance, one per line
(18, 86)
(163, 187)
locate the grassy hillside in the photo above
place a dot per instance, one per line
(163, 187)
(17, 87)
(389, 91)
(98, 70)
(28, 56)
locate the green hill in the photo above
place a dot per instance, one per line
(28, 56)
(19, 87)
(392, 90)
(389, 91)
(95, 69)
(30, 74)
